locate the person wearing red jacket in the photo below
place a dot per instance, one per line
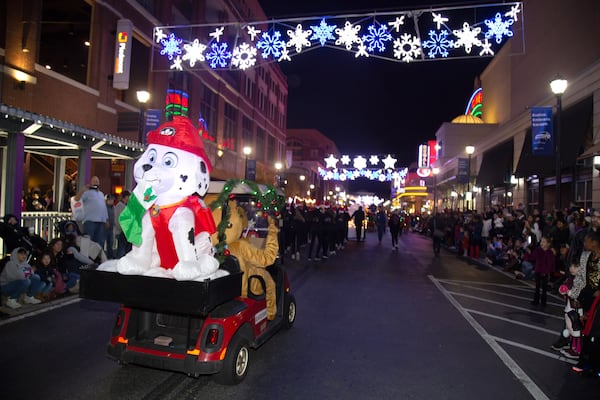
(544, 257)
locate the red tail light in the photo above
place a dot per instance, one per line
(213, 337)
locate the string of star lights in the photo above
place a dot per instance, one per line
(401, 36)
(373, 168)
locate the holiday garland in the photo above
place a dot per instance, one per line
(269, 202)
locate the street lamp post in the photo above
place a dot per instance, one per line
(558, 86)
(278, 167)
(435, 171)
(470, 150)
(247, 150)
(143, 97)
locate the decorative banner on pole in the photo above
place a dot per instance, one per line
(152, 120)
(462, 173)
(401, 36)
(542, 137)
(122, 54)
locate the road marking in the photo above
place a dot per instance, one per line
(499, 293)
(518, 287)
(38, 312)
(512, 321)
(505, 305)
(555, 356)
(517, 371)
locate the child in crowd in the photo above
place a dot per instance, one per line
(18, 278)
(46, 272)
(544, 258)
(570, 342)
(496, 251)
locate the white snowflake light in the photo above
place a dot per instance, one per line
(177, 64)
(348, 35)
(331, 161)
(439, 20)
(514, 12)
(159, 35)
(360, 162)
(253, 32)
(244, 56)
(323, 32)
(345, 159)
(389, 162)
(217, 33)
(397, 23)
(194, 52)
(407, 48)
(374, 160)
(498, 28)
(467, 37)
(299, 38)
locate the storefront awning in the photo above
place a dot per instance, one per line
(576, 127)
(496, 166)
(49, 136)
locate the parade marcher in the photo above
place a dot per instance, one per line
(359, 217)
(96, 217)
(328, 247)
(381, 220)
(439, 231)
(341, 227)
(395, 225)
(315, 232)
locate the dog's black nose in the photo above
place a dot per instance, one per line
(146, 167)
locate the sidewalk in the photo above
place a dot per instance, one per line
(8, 313)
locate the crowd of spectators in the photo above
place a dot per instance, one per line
(559, 250)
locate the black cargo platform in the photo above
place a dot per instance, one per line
(159, 294)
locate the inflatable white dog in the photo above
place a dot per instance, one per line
(165, 218)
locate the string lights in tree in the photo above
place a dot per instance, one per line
(441, 33)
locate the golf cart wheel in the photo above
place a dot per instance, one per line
(289, 311)
(236, 362)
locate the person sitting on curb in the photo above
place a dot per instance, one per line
(18, 278)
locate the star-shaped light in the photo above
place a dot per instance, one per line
(331, 161)
(360, 162)
(159, 34)
(362, 51)
(285, 55)
(486, 48)
(253, 32)
(396, 24)
(439, 20)
(217, 33)
(514, 11)
(389, 162)
(374, 160)
(345, 159)
(177, 64)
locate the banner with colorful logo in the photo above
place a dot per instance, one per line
(542, 135)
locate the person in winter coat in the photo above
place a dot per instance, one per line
(46, 271)
(18, 278)
(381, 220)
(544, 258)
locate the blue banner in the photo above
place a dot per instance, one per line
(152, 120)
(542, 134)
(462, 174)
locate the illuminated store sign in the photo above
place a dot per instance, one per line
(475, 105)
(122, 54)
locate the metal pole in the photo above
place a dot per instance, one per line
(434, 194)
(557, 152)
(469, 183)
(141, 124)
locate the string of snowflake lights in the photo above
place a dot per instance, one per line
(382, 169)
(402, 36)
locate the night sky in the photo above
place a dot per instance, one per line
(371, 106)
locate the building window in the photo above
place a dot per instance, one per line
(65, 43)
(271, 149)
(230, 127)
(583, 194)
(249, 88)
(208, 109)
(261, 101)
(247, 132)
(260, 144)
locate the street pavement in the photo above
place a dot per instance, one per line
(372, 323)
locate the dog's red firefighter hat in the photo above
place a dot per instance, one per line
(181, 134)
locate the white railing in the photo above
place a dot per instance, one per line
(44, 222)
